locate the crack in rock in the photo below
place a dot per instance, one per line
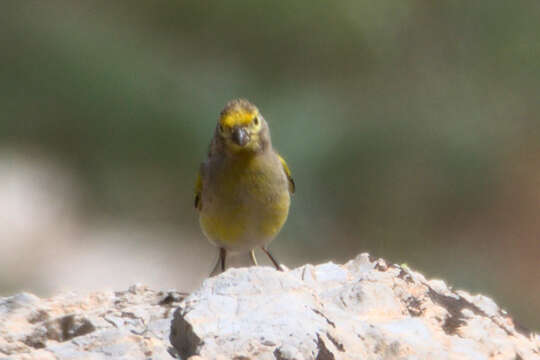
(336, 342)
(454, 306)
(182, 336)
(324, 353)
(330, 322)
(278, 355)
(61, 329)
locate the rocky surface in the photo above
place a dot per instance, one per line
(364, 309)
(131, 324)
(361, 310)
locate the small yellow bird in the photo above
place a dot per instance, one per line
(243, 188)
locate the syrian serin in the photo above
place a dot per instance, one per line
(243, 189)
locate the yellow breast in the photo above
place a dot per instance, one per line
(245, 202)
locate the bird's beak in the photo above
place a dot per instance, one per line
(240, 136)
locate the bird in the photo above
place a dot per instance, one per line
(243, 189)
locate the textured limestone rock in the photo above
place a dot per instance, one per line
(132, 324)
(361, 310)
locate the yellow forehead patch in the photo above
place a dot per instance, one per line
(238, 112)
(239, 117)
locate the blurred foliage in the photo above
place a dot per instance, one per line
(411, 127)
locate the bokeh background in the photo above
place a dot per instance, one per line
(412, 129)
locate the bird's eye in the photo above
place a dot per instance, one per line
(256, 120)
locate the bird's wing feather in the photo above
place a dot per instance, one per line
(198, 191)
(292, 186)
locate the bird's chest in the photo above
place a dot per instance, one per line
(244, 202)
(246, 184)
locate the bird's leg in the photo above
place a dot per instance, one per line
(222, 257)
(220, 264)
(252, 256)
(274, 261)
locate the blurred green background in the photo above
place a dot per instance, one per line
(411, 128)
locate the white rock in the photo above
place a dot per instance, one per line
(361, 310)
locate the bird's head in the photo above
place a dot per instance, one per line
(242, 128)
